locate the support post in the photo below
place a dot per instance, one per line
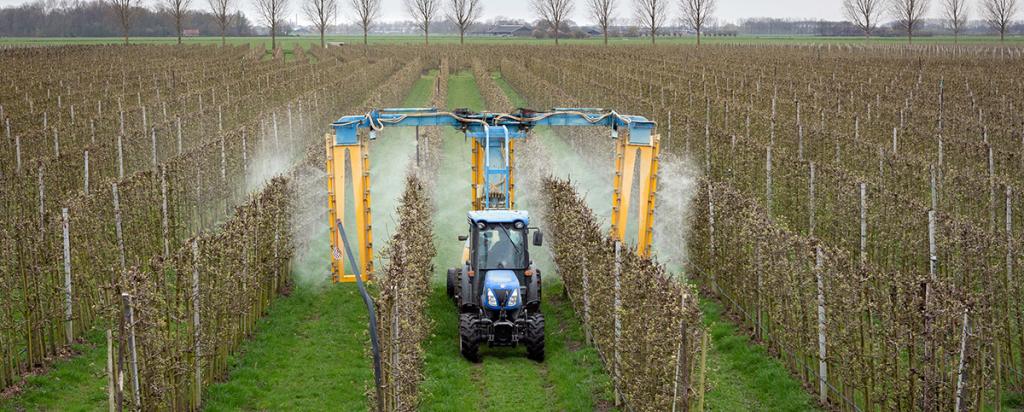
(961, 375)
(129, 315)
(811, 201)
(768, 180)
(863, 225)
(822, 363)
(117, 224)
(196, 330)
(68, 326)
(617, 322)
(111, 379)
(85, 173)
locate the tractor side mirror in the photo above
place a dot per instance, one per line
(538, 238)
(462, 238)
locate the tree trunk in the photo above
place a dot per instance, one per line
(322, 43)
(426, 36)
(605, 36)
(364, 36)
(556, 33)
(698, 38)
(462, 36)
(273, 38)
(179, 37)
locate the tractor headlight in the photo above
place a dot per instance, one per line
(514, 298)
(491, 300)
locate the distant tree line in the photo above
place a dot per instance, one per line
(96, 19)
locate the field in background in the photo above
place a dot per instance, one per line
(289, 42)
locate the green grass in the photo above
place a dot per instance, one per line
(745, 377)
(570, 378)
(288, 42)
(78, 383)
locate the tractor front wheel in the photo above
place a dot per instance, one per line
(535, 337)
(469, 345)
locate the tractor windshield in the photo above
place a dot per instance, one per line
(501, 247)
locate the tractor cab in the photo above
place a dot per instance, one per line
(497, 289)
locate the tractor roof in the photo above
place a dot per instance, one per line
(499, 216)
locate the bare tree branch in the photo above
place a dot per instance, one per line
(178, 9)
(955, 12)
(651, 14)
(272, 13)
(999, 14)
(322, 13)
(463, 13)
(601, 11)
(123, 10)
(222, 13)
(864, 14)
(553, 12)
(697, 14)
(908, 15)
(422, 13)
(366, 12)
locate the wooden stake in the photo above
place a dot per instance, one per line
(703, 370)
(164, 218)
(68, 327)
(811, 202)
(153, 145)
(17, 149)
(177, 121)
(117, 224)
(129, 315)
(586, 304)
(111, 398)
(863, 225)
(120, 156)
(42, 202)
(768, 180)
(961, 379)
(822, 364)
(617, 321)
(196, 329)
(85, 173)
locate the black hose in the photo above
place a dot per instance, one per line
(374, 344)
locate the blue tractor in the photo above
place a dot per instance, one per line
(497, 290)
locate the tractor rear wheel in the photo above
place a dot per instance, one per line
(535, 337)
(469, 345)
(452, 280)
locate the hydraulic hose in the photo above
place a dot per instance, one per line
(374, 344)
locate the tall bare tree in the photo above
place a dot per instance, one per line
(651, 14)
(422, 13)
(463, 14)
(908, 15)
(553, 12)
(366, 13)
(864, 14)
(222, 14)
(999, 14)
(601, 11)
(955, 12)
(322, 13)
(178, 9)
(697, 14)
(123, 10)
(272, 13)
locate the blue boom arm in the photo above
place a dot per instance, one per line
(480, 126)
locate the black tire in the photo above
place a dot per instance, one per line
(469, 343)
(535, 337)
(452, 280)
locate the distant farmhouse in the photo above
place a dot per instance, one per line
(509, 30)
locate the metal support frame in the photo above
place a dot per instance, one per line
(493, 138)
(626, 156)
(358, 162)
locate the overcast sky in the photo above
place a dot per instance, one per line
(728, 10)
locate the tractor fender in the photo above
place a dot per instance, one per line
(533, 294)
